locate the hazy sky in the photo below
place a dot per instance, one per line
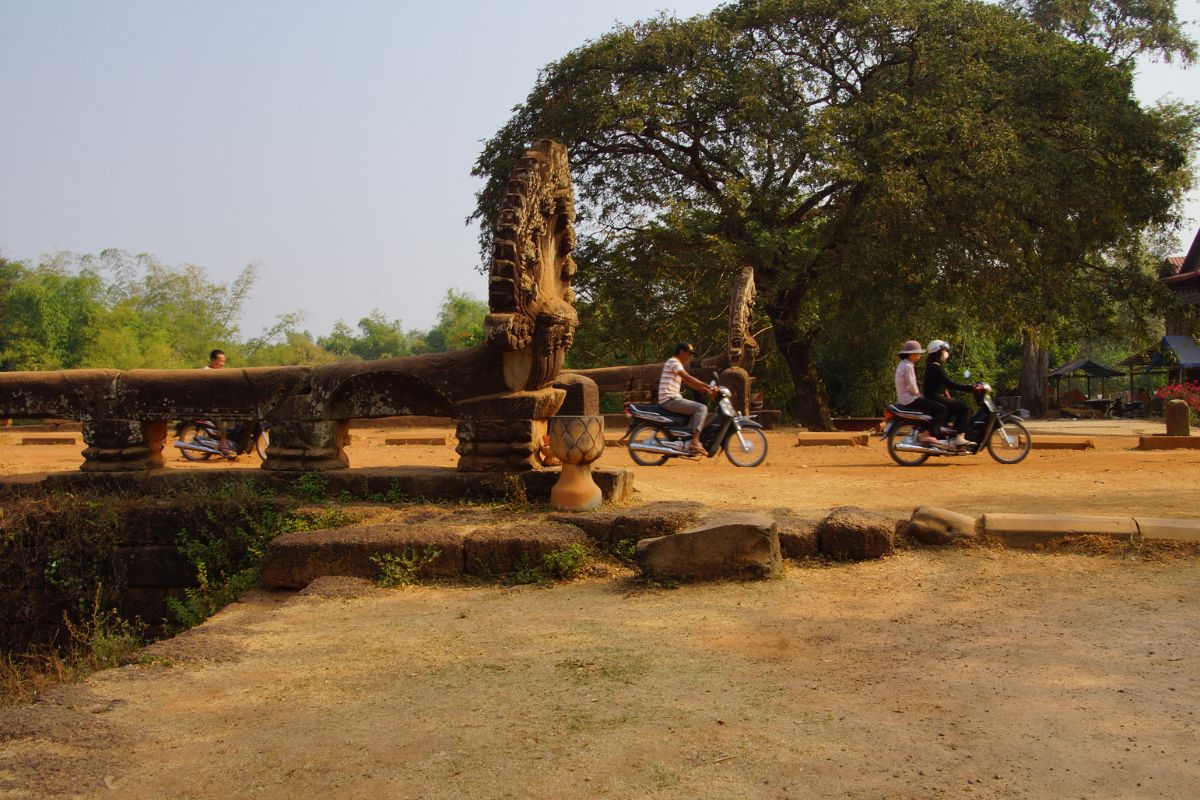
(329, 143)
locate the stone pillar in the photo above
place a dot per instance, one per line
(123, 445)
(1175, 412)
(737, 381)
(305, 446)
(503, 432)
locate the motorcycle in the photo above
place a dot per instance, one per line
(1001, 432)
(199, 439)
(656, 435)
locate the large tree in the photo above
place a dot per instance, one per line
(855, 146)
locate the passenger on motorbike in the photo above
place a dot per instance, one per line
(938, 386)
(669, 386)
(909, 396)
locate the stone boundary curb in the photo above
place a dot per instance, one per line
(1034, 530)
(832, 439)
(1168, 443)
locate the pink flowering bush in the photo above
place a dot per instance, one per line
(1187, 392)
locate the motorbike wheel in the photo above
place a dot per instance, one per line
(188, 434)
(645, 434)
(260, 444)
(750, 454)
(905, 458)
(1015, 448)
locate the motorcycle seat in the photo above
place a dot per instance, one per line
(908, 413)
(648, 408)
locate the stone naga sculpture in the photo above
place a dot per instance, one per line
(734, 365)
(501, 390)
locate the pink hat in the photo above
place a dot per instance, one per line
(910, 347)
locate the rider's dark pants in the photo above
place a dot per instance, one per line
(957, 409)
(931, 407)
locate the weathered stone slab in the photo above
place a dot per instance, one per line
(855, 534)
(295, 559)
(407, 440)
(932, 525)
(738, 545)
(1173, 530)
(1031, 530)
(1169, 443)
(502, 549)
(1041, 442)
(634, 524)
(798, 536)
(821, 439)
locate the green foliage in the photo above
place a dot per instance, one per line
(459, 325)
(310, 486)
(404, 569)
(935, 157)
(565, 564)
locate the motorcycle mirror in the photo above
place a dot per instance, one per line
(966, 373)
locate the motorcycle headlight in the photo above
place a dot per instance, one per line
(726, 407)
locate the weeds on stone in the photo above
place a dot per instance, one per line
(404, 569)
(558, 565)
(393, 494)
(625, 549)
(309, 487)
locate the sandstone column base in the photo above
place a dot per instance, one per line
(123, 445)
(504, 432)
(308, 446)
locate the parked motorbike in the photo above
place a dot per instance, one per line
(656, 435)
(1001, 432)
(199, 440)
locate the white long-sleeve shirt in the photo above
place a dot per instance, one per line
(906, 382)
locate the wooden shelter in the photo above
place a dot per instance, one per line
(1085, 369)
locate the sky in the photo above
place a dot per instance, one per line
(328, 143)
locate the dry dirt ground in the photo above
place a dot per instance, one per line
(934, 673)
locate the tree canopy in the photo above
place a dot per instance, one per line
(915, 153)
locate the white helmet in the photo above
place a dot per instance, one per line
(936, 345)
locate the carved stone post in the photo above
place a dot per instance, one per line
(503, 432)
(300, 446)
(1175, 413)
(123, 445)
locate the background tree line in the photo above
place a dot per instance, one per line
(118, 311)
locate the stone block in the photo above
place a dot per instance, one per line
(832, 439)
(798, 536)
(502, 549)
(1169, 443)
(1171, 530)
(1032, 530)
(49, 440)
(728, 545)
(854, 534)
(1062, 443)
(295, 559)
(643, 522)
(516, 405)
(931, 525)
(1177, 416)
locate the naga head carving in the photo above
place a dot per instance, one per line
(532, 304)
(742, 346)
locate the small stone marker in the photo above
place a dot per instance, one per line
(1176, 413)
(49, 440)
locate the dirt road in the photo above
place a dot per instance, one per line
(935, 673)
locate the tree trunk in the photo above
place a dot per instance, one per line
(1035, 369)
(812, 403)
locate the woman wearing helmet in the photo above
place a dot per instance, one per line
(938, 386)
(909, 396)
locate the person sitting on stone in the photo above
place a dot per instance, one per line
(674, 376)
(908, 395)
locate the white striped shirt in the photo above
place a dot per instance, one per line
(670, 383)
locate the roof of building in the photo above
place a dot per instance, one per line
(1182, 349)
(1086, 366)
